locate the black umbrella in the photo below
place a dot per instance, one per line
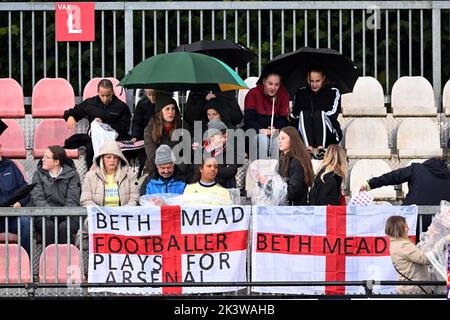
(3, 126)
(233, 54)
(19, 194)
(293, 67)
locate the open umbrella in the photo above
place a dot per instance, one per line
(233, 54)
(293, 67)
(183, 71)
(3, 126)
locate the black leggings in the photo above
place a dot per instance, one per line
(62, 229)
(314, 131)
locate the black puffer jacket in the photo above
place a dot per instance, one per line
(327, 99)
(326, 192)
(115, 113)
(428, 183)
(297, 189)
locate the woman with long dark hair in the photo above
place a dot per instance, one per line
(295, 166)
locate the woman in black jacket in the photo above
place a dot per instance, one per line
(315, 112)
(295, 166)
(328, 180)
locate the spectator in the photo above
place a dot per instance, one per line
(113, 182)
(207, 191)
(409, 261)
(267, 99)
(105, 108)
(145, 109)
(199, 100)
(326, 189)
(57, 185)
(295, 166)
(217, 146)
(428, 184)
(160, 128)
(12, 179)
(315, 111)
(165, 178)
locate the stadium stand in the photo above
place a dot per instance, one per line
(13, 140)
(11, 99)
(51, 97)
(52, 132)
(90, 89)
(446, 98)
(60, 264)
(366, 100)
(14, 267)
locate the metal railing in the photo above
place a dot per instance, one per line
(80, 212)
(386, 39)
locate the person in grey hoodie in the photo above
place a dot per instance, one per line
(57, 185)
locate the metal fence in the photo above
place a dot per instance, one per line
(386, 39)
(39, 284)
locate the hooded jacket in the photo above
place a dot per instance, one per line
(115, 113)
(258, 108)
(62, 191)
(157, 184)
(326, 192)
(428, 182)
(327, 99)
(93, 193)
(10, 180)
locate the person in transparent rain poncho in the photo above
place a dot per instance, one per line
(410, 262)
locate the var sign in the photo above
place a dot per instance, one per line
(75, 21)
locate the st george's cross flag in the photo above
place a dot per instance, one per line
(167, 244)
(333, 243)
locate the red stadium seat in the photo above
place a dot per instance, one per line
(90, 89)
(13, 140)
(11, 99)
(52, 132)
(51, 97)
(67, 270)
(14, 251)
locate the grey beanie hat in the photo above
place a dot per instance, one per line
(164, 155)
(215, 126)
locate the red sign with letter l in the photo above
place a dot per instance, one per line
(75, 21)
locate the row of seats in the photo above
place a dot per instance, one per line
(50, 98)
(411, 97)
(48, 132)
(52, 256)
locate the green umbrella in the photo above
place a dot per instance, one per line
(183, 71)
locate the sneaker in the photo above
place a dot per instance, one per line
(320, 154)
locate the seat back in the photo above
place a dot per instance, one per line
(52, 132)
(90, 89)
(51, 97)
(11, 99)
(413, 96)
(418, 138)
(13, 140)
(14, 253)
(446, 98)
(367, 99)
(367, 138)
(55, 267)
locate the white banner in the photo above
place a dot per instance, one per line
(168, 244)
(324, 244)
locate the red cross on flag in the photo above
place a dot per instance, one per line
(324, 244)
(167, 244)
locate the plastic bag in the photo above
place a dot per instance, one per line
(101, 132)
(436, 250)
(269, 189)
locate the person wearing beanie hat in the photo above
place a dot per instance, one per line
(165, 178)
(160, 128)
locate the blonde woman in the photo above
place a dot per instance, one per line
(409, 261)
(332, 172)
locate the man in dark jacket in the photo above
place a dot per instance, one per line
(428, 184)
(106, 108)
(12, 179)
(260, 102)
